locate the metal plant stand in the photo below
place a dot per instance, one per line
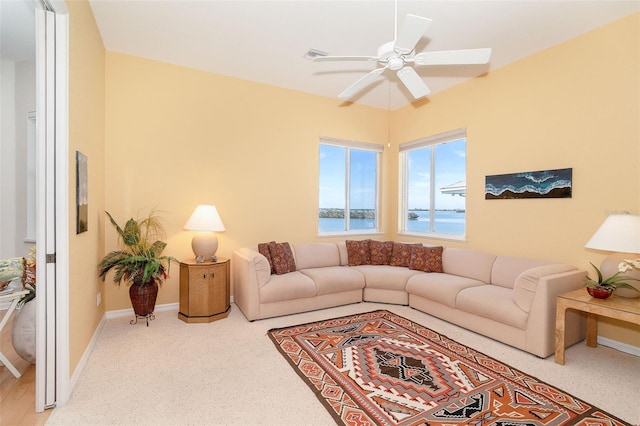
(148, 317)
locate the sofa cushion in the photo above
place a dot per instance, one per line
(506, 269)
(468, 263)
(316, 255)
(282, 257)
(492, 302)
(294, 285)
(358, 252)
(401, 254)
(385, 276)
(441, 288)
(426, 259)
(334, 279)
(381, 252)
(527, 283)
(263, 249)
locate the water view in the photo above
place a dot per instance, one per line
(446, 221)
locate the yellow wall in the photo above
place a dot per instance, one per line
(86, 134)
(574, 105)
(178, 137)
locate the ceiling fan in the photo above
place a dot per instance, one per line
(398, 55)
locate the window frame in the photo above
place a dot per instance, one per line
(378, 149)
(404, 148)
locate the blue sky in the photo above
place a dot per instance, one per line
(450, 165)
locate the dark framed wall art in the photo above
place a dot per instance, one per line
(539, 184)
(82, 196)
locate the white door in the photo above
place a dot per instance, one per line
(52, 325)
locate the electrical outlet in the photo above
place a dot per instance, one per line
(98, 298)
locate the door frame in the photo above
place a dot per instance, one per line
(52, 318)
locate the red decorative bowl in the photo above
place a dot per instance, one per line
(600, 292)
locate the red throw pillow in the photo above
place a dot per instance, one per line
(263, 248)
(401, 254)
(427, 259)
(358, 252)
(381, 252)
(282, 258)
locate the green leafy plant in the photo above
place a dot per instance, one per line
(614, 281)
(140, 258)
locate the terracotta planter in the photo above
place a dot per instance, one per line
(143, 298)
(600, 292)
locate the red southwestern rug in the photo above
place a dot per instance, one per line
(379, 368)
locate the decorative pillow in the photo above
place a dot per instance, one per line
(427, 259)
(263, 248)
(358, 252)
(401, 254)
(381, 252)
(282, 258)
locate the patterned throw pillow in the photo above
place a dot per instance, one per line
(427, 259)
(381, 252)
(263, 248)
(282, 258)
(401, 254)
(358, 252)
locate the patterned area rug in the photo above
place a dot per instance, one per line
(379, 368)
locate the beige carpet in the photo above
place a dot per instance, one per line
(228, 372)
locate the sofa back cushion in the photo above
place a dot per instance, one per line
(506, 269)
(468, 263)
(316, 255)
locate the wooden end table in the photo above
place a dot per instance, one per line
(204, 290)
(616, 307)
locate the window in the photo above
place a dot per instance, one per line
(349, 186)
(433, 176)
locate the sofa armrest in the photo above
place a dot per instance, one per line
(542, 313)
(251, 271)
(526, 284)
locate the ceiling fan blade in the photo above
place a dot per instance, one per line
(361, 83)
(413, 82)
(454, 57)
(410, 33)
(344, 58)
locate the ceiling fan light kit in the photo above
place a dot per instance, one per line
(398, 55)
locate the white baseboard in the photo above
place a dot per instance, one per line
(129, 312)
(85, 355)
(622, 347)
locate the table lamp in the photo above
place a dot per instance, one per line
(619, 233)
(206, 221)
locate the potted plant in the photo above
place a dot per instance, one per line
(603, 288)
(139, 261)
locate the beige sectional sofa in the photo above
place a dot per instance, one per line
(509, 299)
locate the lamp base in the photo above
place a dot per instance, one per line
(204, 245)
(609, 267)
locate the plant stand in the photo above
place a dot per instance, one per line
(148, 317)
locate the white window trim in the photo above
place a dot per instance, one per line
(378, 148)
(444, 137)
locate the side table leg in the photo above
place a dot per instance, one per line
(560, 320)
(592, 330)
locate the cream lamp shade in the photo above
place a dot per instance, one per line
(206, 221)
(619, 233)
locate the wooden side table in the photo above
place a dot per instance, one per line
(204, 290)
(621, 308)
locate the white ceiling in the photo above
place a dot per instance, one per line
(265, 40)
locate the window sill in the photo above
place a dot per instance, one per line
(349, 233)
(434, 236)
